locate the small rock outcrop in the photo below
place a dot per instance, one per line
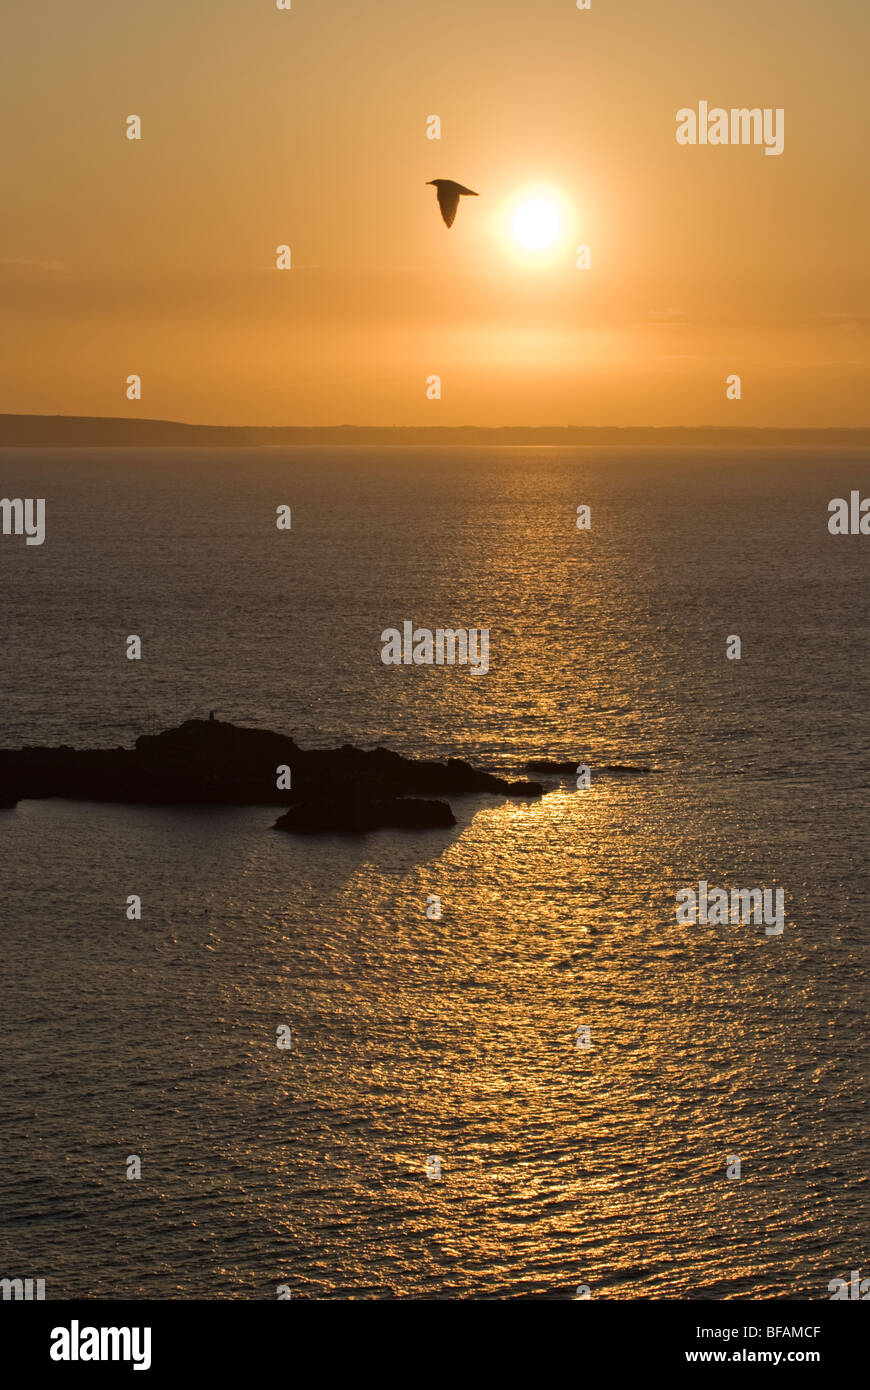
(569, 769)
(357, 817)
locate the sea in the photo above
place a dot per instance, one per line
(703, 1140)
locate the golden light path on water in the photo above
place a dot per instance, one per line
(603, 1166)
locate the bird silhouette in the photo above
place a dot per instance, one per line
(448, 197)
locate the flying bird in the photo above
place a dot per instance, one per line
(448, 197)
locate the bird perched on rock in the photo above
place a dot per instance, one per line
(448, 197)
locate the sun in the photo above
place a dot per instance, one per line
(537, 224)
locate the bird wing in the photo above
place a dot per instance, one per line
(448, 201)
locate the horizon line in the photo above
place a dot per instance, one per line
(33, 420)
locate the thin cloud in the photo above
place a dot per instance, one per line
(664, 318)
(15, 264)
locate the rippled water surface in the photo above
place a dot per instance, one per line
(453, 1037)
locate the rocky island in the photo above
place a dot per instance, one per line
(213, 763)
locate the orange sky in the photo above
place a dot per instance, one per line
(308, 127)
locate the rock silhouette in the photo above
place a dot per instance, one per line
(209, 762)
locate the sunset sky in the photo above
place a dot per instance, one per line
(308, 127)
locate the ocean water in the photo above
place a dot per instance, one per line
(455, 1037)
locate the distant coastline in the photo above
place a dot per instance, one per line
(117, 432)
